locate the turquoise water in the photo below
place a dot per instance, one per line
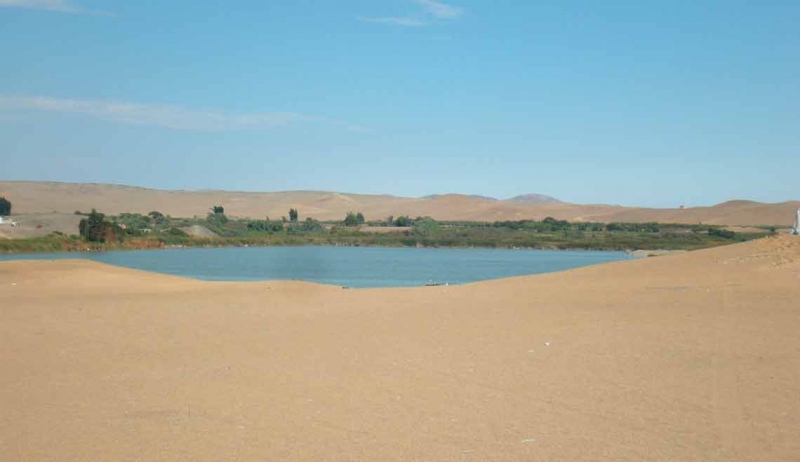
(344, 266)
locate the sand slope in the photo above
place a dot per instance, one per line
(41, 197)
(686, 357)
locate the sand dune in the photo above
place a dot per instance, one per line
(683, 357)
(40, 197)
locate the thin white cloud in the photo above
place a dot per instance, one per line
(430, 8)
(439, 9)
(159, 115)
(348, 126)
(359, 129)
(398, 21)
(61, 6)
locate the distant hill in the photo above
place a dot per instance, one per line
(474, 196)
(48, 197)
(536, 198)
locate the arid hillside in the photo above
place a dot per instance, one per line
(43, 197)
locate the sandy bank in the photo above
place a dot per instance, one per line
(691, 356)
(652, 253)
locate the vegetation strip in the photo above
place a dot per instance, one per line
(156, 230)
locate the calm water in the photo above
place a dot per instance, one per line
(344, 266)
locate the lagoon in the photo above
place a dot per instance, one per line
(344, 266)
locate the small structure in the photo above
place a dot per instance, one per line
(796, 228)
(8, 221)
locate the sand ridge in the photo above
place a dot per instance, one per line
(688, 356)
(46, 197)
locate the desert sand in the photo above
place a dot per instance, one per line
(683, 357)
(44, 197)
(40, 224)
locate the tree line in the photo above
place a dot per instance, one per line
(96, 227)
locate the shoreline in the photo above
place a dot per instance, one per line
(71, 244)
(645, 253)
(441, 247)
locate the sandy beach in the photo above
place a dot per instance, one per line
(685, 357)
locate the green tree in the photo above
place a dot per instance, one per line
(217, 219)
(267, 225)
(157, 217)
(390, 221)
(723, 233)
(133, 222)
(360, 218)
(94, 228)
(293, 215)
(351, 219)
(403, 221)
(311, 225)
(427, 227)
(5, 206)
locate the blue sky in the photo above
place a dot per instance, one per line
(634, 103)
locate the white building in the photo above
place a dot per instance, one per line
(796, 229)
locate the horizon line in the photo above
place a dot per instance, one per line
(424, 197)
